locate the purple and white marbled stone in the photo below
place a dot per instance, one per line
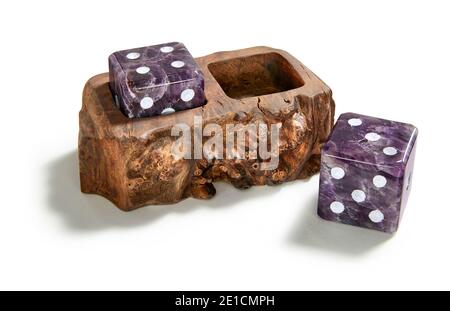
(366, 170)
(154, 80)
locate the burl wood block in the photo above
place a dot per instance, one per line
(131, 161)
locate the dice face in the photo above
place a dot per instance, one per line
(155, 80)
(366, 171)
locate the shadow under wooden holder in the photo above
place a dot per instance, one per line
(131, 163)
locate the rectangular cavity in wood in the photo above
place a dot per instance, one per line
(255, 75)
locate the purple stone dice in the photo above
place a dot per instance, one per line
(366, 171)
(155, 80)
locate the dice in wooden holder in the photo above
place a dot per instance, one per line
(131, 163)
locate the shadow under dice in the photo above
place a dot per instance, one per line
(366, 171)
(155, 80)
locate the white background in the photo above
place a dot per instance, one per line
(387, 59)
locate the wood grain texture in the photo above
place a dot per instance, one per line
(129, 161)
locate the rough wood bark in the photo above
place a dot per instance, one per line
(129, 161)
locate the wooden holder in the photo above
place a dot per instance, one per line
(129, 161)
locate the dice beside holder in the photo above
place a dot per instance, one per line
(129, 161)
(366, 170)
